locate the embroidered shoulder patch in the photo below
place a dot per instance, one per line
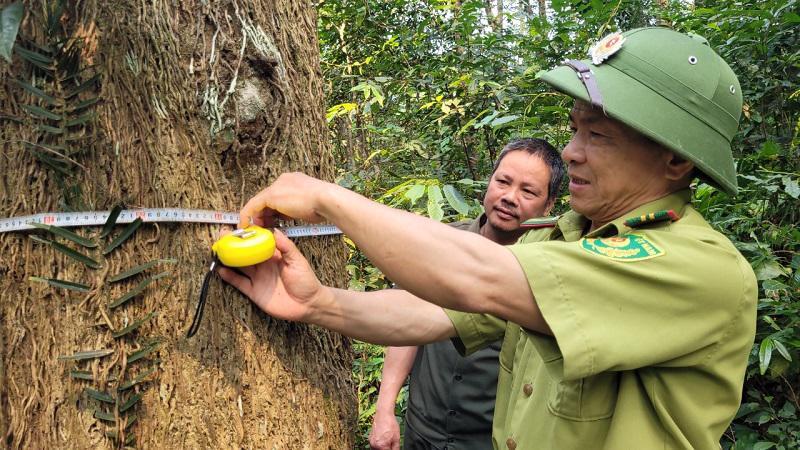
(628, 247)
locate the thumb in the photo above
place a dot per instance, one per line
(288, 251)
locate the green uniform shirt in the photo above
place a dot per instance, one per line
(652, 329)
(451, 397)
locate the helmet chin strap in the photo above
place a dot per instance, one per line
(586, 76)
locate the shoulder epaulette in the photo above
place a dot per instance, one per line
(539, 222)
(653, 217)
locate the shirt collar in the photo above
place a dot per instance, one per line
(572, 224)
(475, 226)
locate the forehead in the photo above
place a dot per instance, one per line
(522, 161)
(585, 112)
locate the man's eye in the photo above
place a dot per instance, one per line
(503, 182)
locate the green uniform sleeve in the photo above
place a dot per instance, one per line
(608, 310)
(475, 331)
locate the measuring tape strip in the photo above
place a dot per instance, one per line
(90, 218)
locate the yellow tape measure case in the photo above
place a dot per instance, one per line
(245, 247)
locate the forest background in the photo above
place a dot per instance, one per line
(423, 94)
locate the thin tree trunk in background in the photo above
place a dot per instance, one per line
(543, 10)
(169, 74)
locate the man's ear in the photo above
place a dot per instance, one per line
(677, 167)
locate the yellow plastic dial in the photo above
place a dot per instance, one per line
(245, 247)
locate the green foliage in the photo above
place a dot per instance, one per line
(59, 103)
(121, 378)
(10, 18)
(423, 94)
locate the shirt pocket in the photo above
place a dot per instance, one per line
(587, 399)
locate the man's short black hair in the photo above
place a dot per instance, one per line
(545, 151)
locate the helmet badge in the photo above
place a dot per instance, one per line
(606, 47)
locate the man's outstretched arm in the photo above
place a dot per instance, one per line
(452, 268)
(285, 287)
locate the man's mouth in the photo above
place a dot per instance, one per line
(505, 213)
(577, 180)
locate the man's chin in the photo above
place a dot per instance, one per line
(504, 225)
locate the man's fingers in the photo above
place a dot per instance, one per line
(255, 207)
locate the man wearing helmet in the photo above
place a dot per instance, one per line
(625, 325)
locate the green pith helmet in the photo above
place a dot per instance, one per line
(669, 86)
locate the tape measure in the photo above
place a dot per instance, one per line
(92, 218)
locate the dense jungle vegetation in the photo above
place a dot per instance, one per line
(423, 94)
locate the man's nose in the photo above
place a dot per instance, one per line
(510, 196)
(573, 152)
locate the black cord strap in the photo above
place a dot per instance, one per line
(201, 303)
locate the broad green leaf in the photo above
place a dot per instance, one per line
(139, 269)
(130, 402)
(81, 375)
(41, 112)
(49, 129)
(112, 220)
(503, 120)
(414, 193)
(43, 62)
(136, 290)
(81, 120)
(767, 270)
(455, 199)
(141, 353)
(131, 420)
(98, 395)
(108, 417)
(72, 253)
(62, 284)
(764, 445)
(435, 210)
(10, 18)
(89, 354)
(765, 354)
(49, 99)
(791, 17)
(66, 234)
(782, 350)
(133, 327)
(136, 380)
(31, 55)
(792, 187)
(88, 84)
(125, 234)
(86, 103)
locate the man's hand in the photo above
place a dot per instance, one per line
(293, 195)
(385, 434)
(284, 286)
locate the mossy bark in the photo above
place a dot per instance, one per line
(202, 103)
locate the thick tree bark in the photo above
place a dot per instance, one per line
(202, 103)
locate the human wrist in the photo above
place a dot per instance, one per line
(319, 306)
(329, 200)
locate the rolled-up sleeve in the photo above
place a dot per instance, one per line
(475, 331)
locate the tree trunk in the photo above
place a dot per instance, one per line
(201, 104)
